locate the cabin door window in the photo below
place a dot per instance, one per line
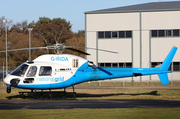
(45, 71)
(32, 71)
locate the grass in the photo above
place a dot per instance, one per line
(1, 84)
(126, 113)
(111, 83)
(105, 93)
(96, 83)
(102, 94)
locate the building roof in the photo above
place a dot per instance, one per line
(153, 6)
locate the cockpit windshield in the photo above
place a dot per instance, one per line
(20, 71)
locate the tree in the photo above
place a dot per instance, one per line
(45, 32)
(75, 42)
(52, 31)
(43, 20)
(2, 25)
(81, 33)
(20, 27)
(20, 40)
(16, 41)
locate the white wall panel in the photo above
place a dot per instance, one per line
(145, 53)
(136, 49)
(112, 21)
(175, 76)
(91, 42)
(145, 49)
(122, 46)
(160, 48)
(136, 52)
(161, 20)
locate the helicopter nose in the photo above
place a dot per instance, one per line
(14, 82)
(6, 81)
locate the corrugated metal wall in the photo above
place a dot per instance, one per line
(112, 21)
(141, 50)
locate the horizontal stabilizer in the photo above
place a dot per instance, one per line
(163, 78)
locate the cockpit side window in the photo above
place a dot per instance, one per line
(32, 71)
(45, 71)
(20, 71)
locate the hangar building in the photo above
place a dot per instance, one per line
(143, 34)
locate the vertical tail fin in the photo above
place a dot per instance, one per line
(165, 65)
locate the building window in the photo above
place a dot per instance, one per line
(114, 34)
(155, 64)
(107, 64)
(154, 33)
(121, 34)
(161, 33)
(128, 34)
(100, 34)
(175, 33)
(107, 34)
(101, 64)
(128, 65)
(165, 33)
(114, 64)
(168, 32)
(176, 66)
(123, 65)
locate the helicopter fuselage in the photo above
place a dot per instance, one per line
(61, 71)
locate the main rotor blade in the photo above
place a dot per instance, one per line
(92, 49)
(77, 50)
(25, 49)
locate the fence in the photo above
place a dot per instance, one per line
(10, 69)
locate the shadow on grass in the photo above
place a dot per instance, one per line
(57, 95)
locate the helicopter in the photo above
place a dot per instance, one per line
(56, 71)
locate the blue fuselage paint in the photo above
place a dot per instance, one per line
(86, 73)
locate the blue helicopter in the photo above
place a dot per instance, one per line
(55, 71)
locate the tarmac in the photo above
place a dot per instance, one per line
(86, 103)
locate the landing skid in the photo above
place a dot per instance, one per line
(39, 94)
